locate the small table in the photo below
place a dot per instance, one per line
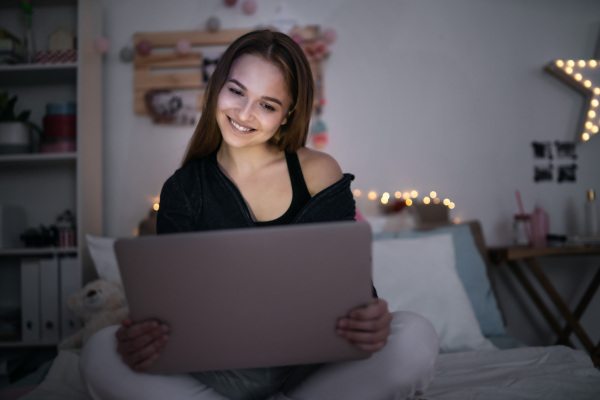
(519, 257)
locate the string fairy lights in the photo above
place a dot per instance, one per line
(409, 197)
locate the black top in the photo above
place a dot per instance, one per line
(300, 193)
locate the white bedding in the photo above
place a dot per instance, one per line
(555, 372)
(549, 373)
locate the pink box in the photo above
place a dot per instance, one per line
(63, 146)
(56, 56)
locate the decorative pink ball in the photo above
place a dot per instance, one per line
(183, 46)
(230, 3)
(297, 38)
(143, 48)
(101, 45)
(329, 35)
(249, 7)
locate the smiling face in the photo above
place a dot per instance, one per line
(253, 103)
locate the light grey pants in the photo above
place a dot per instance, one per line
(405, 367)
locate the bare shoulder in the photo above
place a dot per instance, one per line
(320, 170)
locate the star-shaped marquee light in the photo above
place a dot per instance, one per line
(584, 76)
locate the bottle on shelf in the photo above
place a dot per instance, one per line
(540, 226)
(591, 214)
(29, 42)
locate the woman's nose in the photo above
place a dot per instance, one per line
(245, 111)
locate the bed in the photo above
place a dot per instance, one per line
(440, 272)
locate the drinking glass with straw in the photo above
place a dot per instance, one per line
(524, 217)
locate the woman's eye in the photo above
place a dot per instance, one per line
(235, 91)
(268, 107)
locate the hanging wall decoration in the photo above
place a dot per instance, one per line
(127, 54)
(583, 76)
(169, 68)
(101, 45)
(249, 7)
(316, 45)
(213, 24)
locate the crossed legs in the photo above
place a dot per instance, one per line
(403, 368)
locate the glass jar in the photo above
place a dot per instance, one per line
(522, 230)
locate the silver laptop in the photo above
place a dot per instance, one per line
(250, 297)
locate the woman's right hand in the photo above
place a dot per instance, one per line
(140, 344)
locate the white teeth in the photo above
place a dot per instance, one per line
(240, 128)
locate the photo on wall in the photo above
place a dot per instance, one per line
(542, 150)
(565, 150)
(543, 173)
(545, 152)
(567, 173)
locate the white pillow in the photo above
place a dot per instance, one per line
(377, 223)
(103, 255)
(419, 275)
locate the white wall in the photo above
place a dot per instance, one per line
(445, 95)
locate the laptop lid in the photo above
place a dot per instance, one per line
(251, 297)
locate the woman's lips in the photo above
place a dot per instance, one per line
(240, 127)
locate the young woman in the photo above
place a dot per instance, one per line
(247, 165)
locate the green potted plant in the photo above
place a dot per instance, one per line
(17, 133)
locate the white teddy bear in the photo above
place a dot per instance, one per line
(99, 304)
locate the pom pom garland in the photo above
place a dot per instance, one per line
(213, 24)
(249, 7)
(143, 48)
(183, 47)
(101, 45)
(127, 54)
(319, 134)
(329, 35)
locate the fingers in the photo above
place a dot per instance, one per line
(145, 364)
(374, 310)
(370, 336)
(140, 344)
(367, 328)
(369, 347)
(130, 331)
(145, 357)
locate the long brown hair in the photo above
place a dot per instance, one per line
(286, 54)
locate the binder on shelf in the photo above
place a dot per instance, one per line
(30, 301)
(70, 282)
(49, 300)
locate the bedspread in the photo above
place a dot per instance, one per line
(554, 372)
(549, 373)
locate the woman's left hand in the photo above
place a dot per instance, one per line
(367, 328)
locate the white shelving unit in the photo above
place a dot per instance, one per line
(47, 184)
